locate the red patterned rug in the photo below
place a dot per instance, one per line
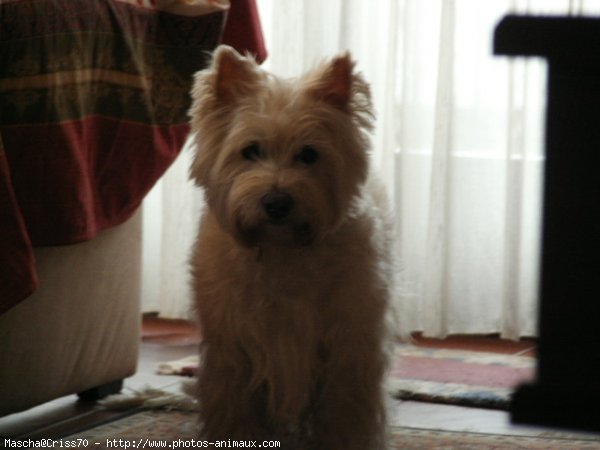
(163, 428)
(456, 377)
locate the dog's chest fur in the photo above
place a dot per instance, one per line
(279, 306)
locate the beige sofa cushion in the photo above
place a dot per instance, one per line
(81, 328)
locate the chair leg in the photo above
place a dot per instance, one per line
(99, 392)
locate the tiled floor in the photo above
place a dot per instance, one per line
(171, 340)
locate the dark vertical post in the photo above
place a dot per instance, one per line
(566, 392)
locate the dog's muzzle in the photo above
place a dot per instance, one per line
(280, 225)
(277, 206)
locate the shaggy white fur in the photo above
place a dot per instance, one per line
(292, 264)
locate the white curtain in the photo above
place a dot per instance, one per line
(458, 142)
(170, 219)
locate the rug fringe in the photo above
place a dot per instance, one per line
(149, 398)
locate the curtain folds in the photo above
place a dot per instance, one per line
(458, 142)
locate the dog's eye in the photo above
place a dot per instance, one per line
(252, 152)
(308, 155)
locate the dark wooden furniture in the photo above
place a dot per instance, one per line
(566, 392)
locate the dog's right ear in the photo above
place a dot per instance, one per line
(229, 77)
(235, 75)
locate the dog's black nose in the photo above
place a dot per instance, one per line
(277, 205)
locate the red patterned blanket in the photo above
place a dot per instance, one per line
(93, 109)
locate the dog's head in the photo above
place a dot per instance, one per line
(280, 160)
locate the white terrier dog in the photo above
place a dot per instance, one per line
(292, 262)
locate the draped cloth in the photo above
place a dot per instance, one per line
(93, 109)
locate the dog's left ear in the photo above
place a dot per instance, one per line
(337, 83)
(334, 82)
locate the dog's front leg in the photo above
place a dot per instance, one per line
(350, 411)
(349, 414)
(228, 408)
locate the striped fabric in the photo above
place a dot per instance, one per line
(93, 109)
